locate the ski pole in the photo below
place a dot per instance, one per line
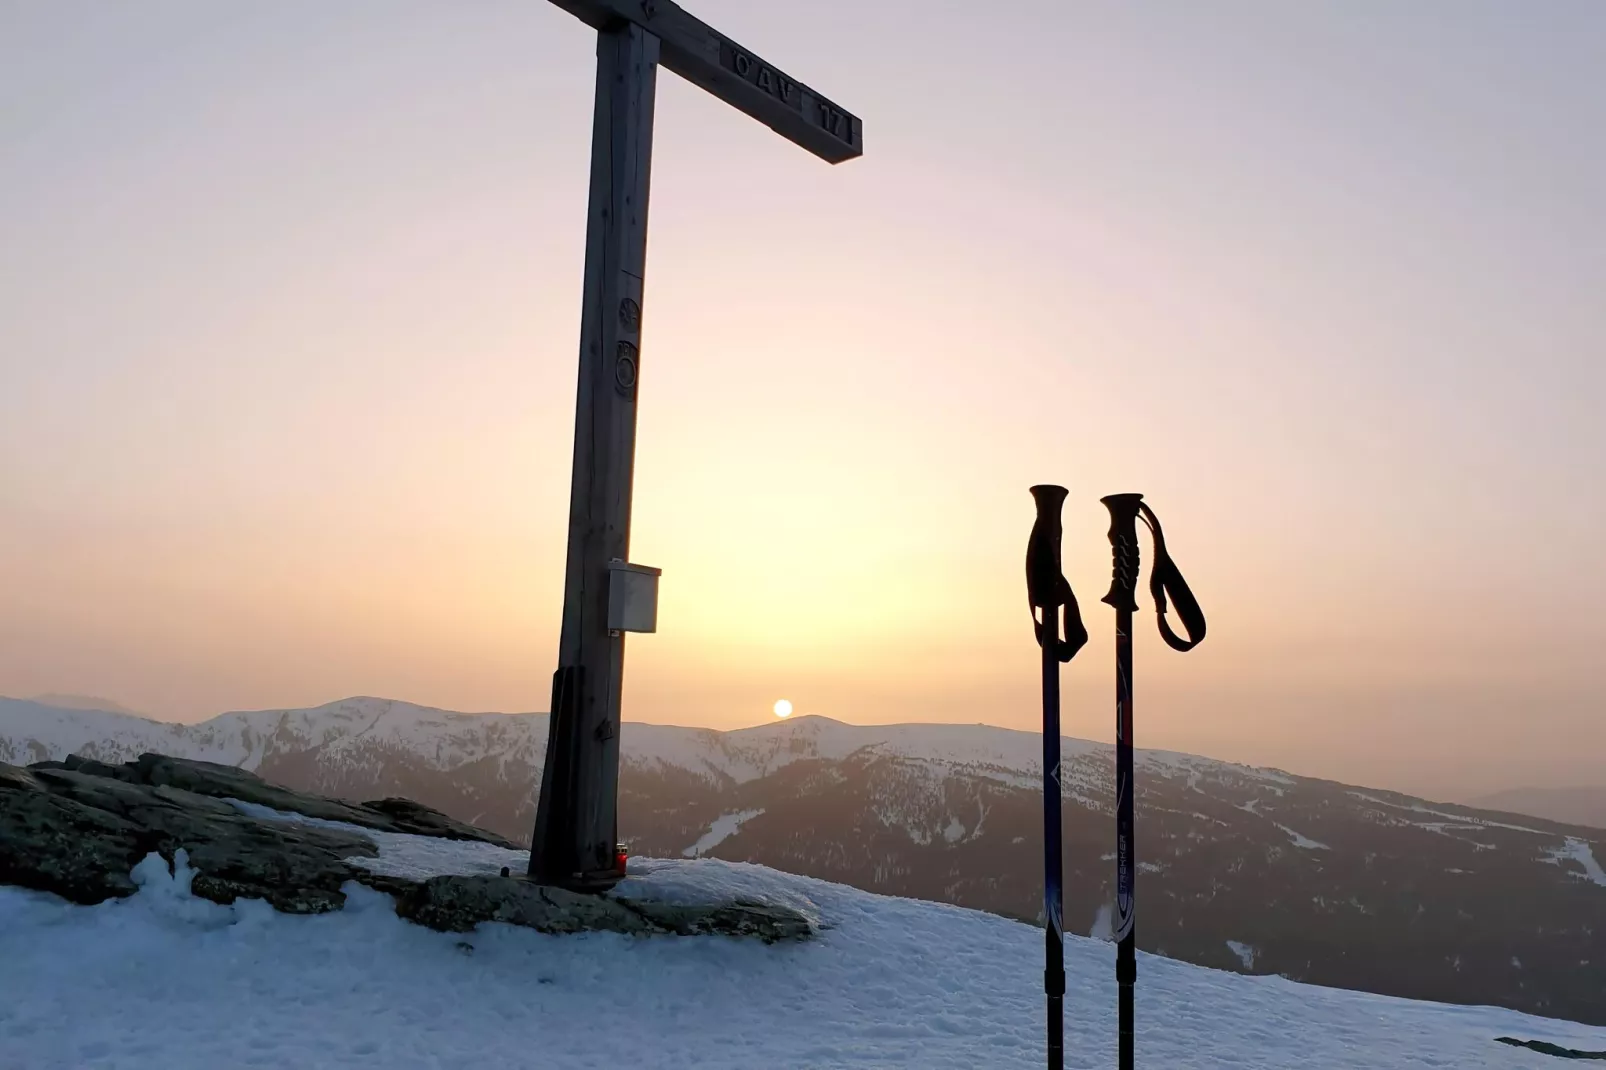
(1048, 591)
(1125, 511)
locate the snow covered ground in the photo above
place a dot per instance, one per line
(165, 981)
(1579, 852)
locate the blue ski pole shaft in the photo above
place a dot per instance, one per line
(1053, 863)
(1049, 593)
(1126, 961)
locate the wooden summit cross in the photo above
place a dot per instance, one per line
(576, 823)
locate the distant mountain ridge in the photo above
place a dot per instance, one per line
(84, 702)
(342, 731)
(1576, 805)
(1241, 868)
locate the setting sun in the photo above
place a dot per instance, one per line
(783, 708)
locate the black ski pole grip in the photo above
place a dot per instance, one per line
(1043, 575)
(1046, 586)
(1123, 549)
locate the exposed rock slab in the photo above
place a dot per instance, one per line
(77, 828)
(1544, 1047)
(458, 904)
(229, 782)
(79, 835)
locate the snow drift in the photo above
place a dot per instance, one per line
(165, 980)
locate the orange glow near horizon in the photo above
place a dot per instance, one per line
(287, 394)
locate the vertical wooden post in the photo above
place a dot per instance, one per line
(576, 824)
(576, 821)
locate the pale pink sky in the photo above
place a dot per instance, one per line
(289, 299)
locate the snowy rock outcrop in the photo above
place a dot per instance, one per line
(80, 827)
(79, 832)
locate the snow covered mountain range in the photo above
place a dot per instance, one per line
(1241, 868)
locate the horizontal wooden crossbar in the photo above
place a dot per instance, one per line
(707, 58)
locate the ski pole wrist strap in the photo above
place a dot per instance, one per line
(1068, 622)
(1165, 581)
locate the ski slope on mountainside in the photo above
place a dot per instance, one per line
(164, 981)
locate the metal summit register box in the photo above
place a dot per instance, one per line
(632, 597)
